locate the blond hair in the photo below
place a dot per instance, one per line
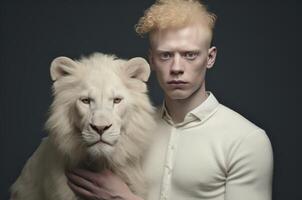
(173, 14)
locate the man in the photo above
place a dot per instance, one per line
(202, 149)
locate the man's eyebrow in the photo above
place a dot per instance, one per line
(182, 51)
(162, 50)
(193, 51)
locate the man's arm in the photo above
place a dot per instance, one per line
(250, 169)
(104, 185)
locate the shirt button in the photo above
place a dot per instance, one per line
(169, 169)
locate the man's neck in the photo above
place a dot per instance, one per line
(178, 108)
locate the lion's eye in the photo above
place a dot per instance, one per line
(86, 100)
(117, 100)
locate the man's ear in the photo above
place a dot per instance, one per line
(61, 66)
(212, 52)
(138, 68)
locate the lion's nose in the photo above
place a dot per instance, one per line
(100, 129)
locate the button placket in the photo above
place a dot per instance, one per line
(168, 167)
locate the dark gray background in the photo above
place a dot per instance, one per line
(256, 72)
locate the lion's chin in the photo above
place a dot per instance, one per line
(100, 142)
(100, 148)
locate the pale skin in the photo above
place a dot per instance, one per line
(99, 186)
(180, 58)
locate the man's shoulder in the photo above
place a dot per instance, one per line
(233, 130)
(234, 122)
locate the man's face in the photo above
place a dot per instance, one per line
(180, 58)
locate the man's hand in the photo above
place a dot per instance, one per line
(97, 186)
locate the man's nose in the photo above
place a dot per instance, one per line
(177, 67)
(100, 129)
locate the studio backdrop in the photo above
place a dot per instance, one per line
(256, 72)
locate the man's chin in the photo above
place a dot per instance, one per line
(177, 95)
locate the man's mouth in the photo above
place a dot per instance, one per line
(177, 82)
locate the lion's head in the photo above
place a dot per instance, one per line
(100, 107)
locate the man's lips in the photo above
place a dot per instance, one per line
(176, 82)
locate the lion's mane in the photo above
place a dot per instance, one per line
(64, 145)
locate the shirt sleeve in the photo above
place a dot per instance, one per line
(249, 175)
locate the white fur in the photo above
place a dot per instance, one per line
(73, 142)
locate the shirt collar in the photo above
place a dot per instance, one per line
(200, 113)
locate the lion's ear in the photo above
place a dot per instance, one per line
(61, 66)
(138, 68)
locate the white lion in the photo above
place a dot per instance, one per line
(101, 117)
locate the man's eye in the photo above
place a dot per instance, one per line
(191, 55)
(165, 55)
(86, 100)
(117, 100)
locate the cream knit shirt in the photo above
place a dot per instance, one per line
(214, 154)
